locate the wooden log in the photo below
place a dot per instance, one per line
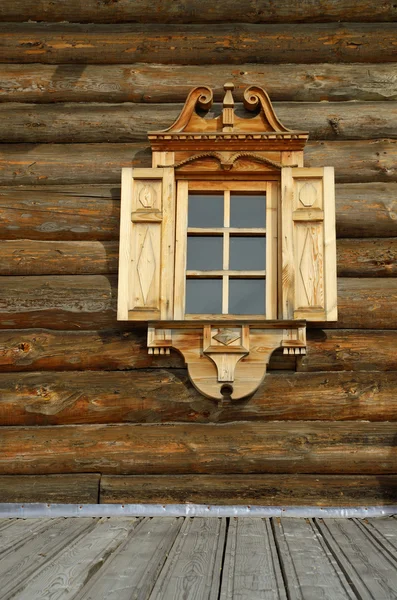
(367, 258)
(171, 83)
(194, 44)
(262, 490)
(35, 349)
(81, 489)
(349, 350)
(60, 213)
(91, 212)
(365, 210)
(327, 350)
(128, 122)
(30, 164)
(196, 11)
(32, 257)
(89, 302)
(159, 396)
(375, 257)
(299, 447)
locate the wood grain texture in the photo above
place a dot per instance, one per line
(263, 490)
(39, 349)
(147, 83)
(30, 164)
(159, 396)
(75, 302)
(60, 212)
(72, 489)
(51, 350)
(196, 11)
(129, 122)
(301, 447)
(32, 257)
(91, 212)
(367, 258)
(307, 563)
(193, 44)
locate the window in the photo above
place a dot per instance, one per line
(226, 256)
(227, 244)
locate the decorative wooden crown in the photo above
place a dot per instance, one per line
(260, 131)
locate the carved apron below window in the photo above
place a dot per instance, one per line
(227, 244)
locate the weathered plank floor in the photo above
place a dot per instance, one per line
(169, 558)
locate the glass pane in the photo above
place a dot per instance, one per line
(204, 296)
(247, 211)
(247, 253)
(205, 210)
(247, 297)
(204, 253)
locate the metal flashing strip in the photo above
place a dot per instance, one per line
(37, 510)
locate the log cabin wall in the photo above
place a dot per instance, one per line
(86, 414)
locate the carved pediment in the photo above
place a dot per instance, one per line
(252, 125)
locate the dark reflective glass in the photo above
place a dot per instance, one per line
(247, 253)
(205, 210)
(247, 211)
(247, 297)
(204, 296)
(204, 253)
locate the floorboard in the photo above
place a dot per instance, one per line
(198, 558)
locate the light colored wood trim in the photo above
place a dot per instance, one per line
(233, 186)
(180, 249)
(271, 249)
(226, 207)
(153, 173)
(168, 245)
(225, 294)
(223, 317)
(330, 245)
(287, 251)
(234, 274)
(125, 243)
(234, 230)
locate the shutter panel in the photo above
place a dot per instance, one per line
(147, 240)
(308, 286)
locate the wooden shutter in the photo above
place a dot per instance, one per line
(147, 244)
(308, 281)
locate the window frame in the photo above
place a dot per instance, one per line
(272, 190)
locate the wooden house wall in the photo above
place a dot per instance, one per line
(86, 415)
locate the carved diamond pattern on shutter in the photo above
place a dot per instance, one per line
(146, 265)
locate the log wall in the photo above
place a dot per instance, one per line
(86, 415)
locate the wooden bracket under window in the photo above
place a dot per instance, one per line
(227, 361)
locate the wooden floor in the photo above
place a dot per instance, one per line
(168, 558)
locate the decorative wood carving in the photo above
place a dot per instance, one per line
(228, 154)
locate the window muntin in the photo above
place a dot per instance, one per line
(228, 259)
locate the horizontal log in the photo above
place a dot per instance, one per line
(356, 258)
(30, 164)
(262, 490)
(89, 302)
(171, 83)
(194, 44)
(32, 257)
(79, 489)
(299, 447)
(349, 350)
(327, 350)
(160, 396)
(60, 213)
(366, 210)
(128, 122)
(367, 258)
(91, 212)
(196, 11)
